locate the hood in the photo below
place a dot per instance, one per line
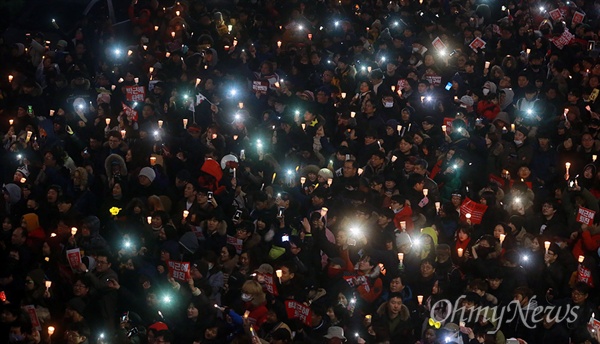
(93, 224)
(431, 232)
(502, 116)
(510, 95)
(212, 168)
(404, 311)
(189, 242)
(115, 159)
(32, 221)
(14, 192)
(221, 228)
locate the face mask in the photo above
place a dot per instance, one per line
(15, 338)
(412, 61)
(486, 91)
(388, 104)
(246, 297)
(518, 142)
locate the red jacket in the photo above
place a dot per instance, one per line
(587, 243)
(404, 215)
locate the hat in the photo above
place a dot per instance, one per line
(24, 170)
(281, 334)
(158, 326)
(338, 261)
(314, 169)
(467, 100)
(148, 173)
(523, 130)
(265, 269)
(77, 304)
(189, 241)
(392, 123)
(325, 173)
(428, 120)
(335, 332)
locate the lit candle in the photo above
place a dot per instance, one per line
(437, 207)
(241, 105)
(460, 252)
(401, 257)
(329, 181)
(123, 133)
(173, 34)
(226, 47)
(235, 42)
(107, 121)
(513, 127)
(185, 214)
(547, 245)
(369, 69)
(581, 259)
(343, 95)
(177, 13)
(444, 128)
(152, 160)
(487, 64)
(229, 27)
(234, 172)
(155, 27)
(302, 180)
(399, 128)
(50, 330)
(310, 36)
(394, 158)
(594, 157)
(420, 299)
(185, 122)
(10, 78)
(235, 137)
(502, 237)
(425, 192)
(23, 180)
(73, 231)
(279, 273)
(48, 284)
(130, 52)
(352, 114)
(160, 124)
(167, 54)
(422, 99)
(567, 166)
(149, 219)
(29, 133)
(303, 126)
(468, 216)
(136, 80)
(324, 211)
(246, 314)
(11, 121)
(403, 225)
(360, 171)
(278, 44)
(52, 235)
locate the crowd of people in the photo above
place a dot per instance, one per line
(304, 171)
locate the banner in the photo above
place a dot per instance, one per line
(435, 80)
(198, 232)
(129, 112)
(270, 284)
(402, 84)
(578, 17)
(298, 310)
(237, 243)
(438, 44)
(477, 43)
(585, 216)
(476, 210)
(74, 258)
(35, 321)
(179, 270)
(260, 86)
(135, 93)
(555, 14)
(584, 274)
(563, 40)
